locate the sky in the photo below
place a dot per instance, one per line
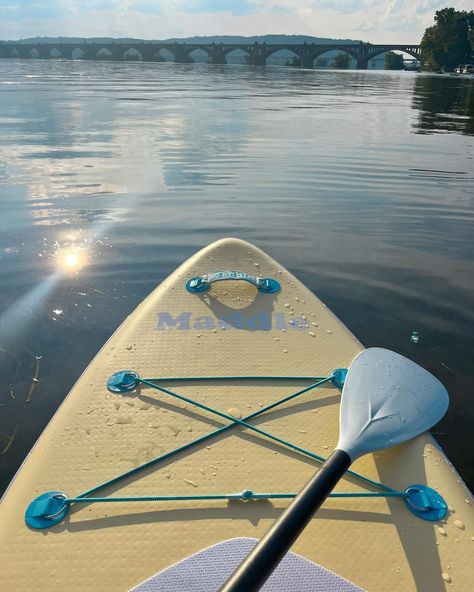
(377, 21)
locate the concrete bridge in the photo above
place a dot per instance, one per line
(304, 54)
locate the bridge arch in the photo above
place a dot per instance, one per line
(237, 56)
(132, 55)
(283, 57)
(164, 55)
(200, 56)
(77, 54)
(379, 51)
(104, 54)
(34, 53)
(325, 57)
(54, 53)
(15, 53)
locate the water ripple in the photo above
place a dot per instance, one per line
(359, 182)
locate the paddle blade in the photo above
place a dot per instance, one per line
(387, 399)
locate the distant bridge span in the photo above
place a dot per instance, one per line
(151, 51)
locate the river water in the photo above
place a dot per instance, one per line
(360, 182)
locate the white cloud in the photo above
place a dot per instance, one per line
(371, 20)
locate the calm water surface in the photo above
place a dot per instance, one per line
(361, 183)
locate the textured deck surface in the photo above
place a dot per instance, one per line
(377, 544)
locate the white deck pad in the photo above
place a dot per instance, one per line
(207, 571)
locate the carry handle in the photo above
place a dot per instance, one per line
(200, 284)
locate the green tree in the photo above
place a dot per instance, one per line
(449, 41)
(341, 60)
(393, 61)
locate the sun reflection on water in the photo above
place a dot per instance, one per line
(71, 259)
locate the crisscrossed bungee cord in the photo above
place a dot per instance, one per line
(244, 422)
(51, 507)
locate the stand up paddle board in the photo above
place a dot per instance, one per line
(196, 424)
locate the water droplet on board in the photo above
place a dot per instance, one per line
(442, 531)
(276, 339)
(285, 351)
(189, 482)
(459, 524)
(287, 305)
(167, 475)
(446, 577)
(302, 431)
(117, 405)
(235, 412)
(311, 333)
(174, 430)
(329, 331)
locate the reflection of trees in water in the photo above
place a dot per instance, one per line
(445, 104)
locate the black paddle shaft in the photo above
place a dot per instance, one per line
(267, 554)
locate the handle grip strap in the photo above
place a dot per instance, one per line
(200, 284)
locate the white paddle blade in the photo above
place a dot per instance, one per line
(387, 399)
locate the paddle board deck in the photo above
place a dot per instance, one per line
(231, 330)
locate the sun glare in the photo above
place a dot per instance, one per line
(71, 260)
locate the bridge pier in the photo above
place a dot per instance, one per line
(181, 55)
(258, 54)
(217, 54)
(306, 56)
(362, 63)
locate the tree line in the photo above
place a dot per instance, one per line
(450, 41)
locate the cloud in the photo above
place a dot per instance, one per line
(12, 10)
(235, 7)
(39, 10)
(370, 20)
